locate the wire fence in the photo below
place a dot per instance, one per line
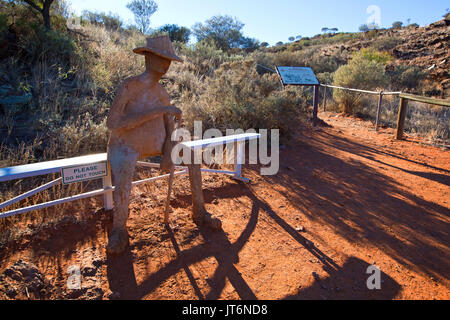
(380, 95)
(424, 116)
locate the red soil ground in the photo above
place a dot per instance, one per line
(345, 198)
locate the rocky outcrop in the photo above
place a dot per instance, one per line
(428, 48)
(424, 47)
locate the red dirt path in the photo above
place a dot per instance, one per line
(345, 198)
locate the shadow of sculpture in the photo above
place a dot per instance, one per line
(349, 283)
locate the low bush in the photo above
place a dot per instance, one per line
(364, 71)
(406, 77)
(238, 97)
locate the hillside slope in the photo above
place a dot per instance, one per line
(425, 47)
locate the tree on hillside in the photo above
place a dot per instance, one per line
(143, 10)
(42, 7)
(176, 33)
(332, 30)
(291, 39)
(298, 37)
(109, 21)
(447, 15)
(225, 31)
(364, 28)
(249, 44)
(397, 25)
(264, 44)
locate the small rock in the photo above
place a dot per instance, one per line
(13, 274)
(88, 272)
(300, 229)
(98, 262)
(95, 293)
(11, 293)
(75, 294)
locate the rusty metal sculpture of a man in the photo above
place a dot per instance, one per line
(141, 121)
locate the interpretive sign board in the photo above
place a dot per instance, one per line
(85, 172)
(300, 76)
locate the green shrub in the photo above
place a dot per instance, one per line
(52, 45)
(109, 21)
(364, 71)
(309, 57)
(325, 77)
(376, 56)
(205, 56)
(3, 22)
(404, 76)
(238, 97)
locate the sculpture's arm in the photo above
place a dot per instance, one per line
(133, 120)
(113, 121)
(117, 120)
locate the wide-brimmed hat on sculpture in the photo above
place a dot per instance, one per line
(161, 46)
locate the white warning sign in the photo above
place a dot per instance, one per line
(85, 172)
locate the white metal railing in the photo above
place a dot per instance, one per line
(43, 168)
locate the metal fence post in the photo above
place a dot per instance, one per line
(108, 202)
(239, 153)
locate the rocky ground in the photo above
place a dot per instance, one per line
(345, 198)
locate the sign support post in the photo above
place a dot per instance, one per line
(315, 104)
(301, 76)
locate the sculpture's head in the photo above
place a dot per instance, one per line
(159, 53)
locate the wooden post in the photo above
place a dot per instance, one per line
(315, 104)
(380, 102)
(401, 117)
(325, 98)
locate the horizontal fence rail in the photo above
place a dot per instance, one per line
(433, 101)
(360, 91)
(404, 97)
(403, 108)
(49, 167)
